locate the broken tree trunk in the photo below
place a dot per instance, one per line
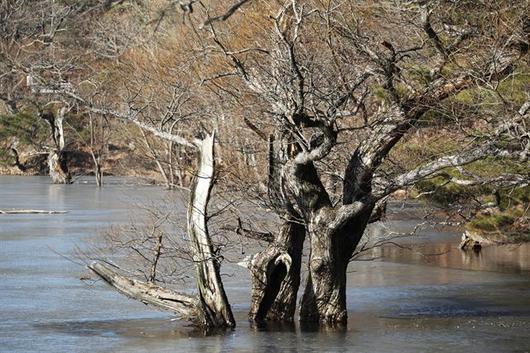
(183, 305)
(211, 291)
(210, 308)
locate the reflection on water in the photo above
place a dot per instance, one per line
(505, 258)
(412, 301)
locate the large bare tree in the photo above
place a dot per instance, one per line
(343, 86)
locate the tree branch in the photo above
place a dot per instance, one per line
(185, 306)
(433, 167)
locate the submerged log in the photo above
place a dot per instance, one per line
(46, 212)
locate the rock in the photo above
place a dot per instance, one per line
(489, 211)
(468, 243)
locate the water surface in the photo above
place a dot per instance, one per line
(403, 301)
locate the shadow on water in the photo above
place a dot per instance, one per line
(139, 328)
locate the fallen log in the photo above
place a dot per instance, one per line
(45, 212)
(183, 305)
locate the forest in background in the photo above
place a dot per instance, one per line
(154, 57)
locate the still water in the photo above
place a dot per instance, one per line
(430, 298)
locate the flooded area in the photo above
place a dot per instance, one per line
(426, 296)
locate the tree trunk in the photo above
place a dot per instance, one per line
(276, 275)
(99, 174)
(95, 158)
(324, 298)
(276, 270)
(183, 305)
(211, 290)
(17, 163)
(58, 168)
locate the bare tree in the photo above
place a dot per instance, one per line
(33, 71)
(331, 95)
(344, 89)
(333, 92)
(57, 165)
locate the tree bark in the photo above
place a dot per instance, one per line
(332, 245)
(183, 305)
(98, 172)
(96, 157)
(57, 166)
(276, 275)
(211, 291)
(276, 270)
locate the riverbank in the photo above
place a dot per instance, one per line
(118, 162)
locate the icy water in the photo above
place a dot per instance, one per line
(405, 301)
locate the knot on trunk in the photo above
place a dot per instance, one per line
(319, 265)
(284, 259)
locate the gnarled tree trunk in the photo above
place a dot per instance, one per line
(276, 275)
(332, 246)
(57, 166)
(276, 270)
